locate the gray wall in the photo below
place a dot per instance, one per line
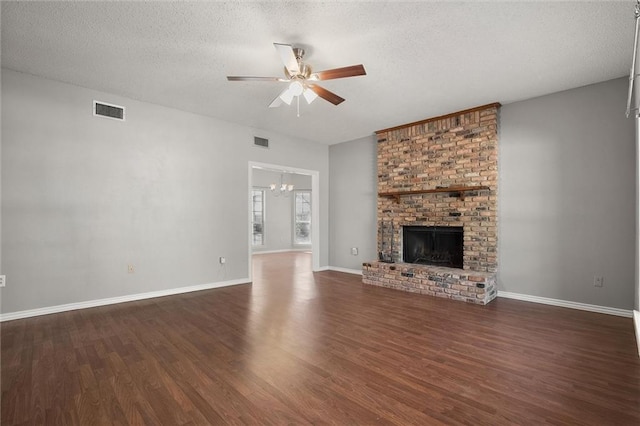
(166, 191)
(567, 196)
(1, 173)
(637, 195)
(278, 226)
(353, 195)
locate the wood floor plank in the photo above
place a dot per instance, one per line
(297, 347)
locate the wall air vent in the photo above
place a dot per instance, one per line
(103, 109)
(261, 142)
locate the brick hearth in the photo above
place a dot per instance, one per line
(456, 150)
(457, 284)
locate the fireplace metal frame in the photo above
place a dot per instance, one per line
(457, 260)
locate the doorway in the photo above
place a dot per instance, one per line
(258, 196)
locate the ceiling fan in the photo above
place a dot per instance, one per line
(301, 79)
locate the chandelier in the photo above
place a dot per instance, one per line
(282, 189)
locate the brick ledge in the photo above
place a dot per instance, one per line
(457, 284)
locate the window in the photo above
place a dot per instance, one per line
(302, 219)
(257, 216)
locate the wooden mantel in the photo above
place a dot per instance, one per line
(451, 189)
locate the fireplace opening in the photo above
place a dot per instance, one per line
(433, 245)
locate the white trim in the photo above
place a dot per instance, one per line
(636, 323)
(322, 269)
(281, 251)
(345, 270)
(566, 304)
(120, 299)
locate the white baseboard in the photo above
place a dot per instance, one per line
(345, 270)
(566, 304)
(636, 323)
(113, 300)
(280, 251)
(322, 269)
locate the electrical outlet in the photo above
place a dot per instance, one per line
(598, 281)
(354, 251)
(131, 269)
(3, 280)
(223, 260)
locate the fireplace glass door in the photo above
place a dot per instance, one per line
(433, 245)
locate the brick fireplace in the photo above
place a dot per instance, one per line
(439, 173)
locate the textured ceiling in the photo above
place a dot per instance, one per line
(423, 59)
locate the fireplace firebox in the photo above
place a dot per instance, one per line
(433, 245)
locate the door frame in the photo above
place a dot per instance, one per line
(315, 208)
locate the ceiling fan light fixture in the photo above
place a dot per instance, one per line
(287, 96)
(296, 88)
(310, 95)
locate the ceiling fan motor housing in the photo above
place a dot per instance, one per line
(299, 53)
(305, 72)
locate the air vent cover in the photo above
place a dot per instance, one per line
(103, 109)
(262, 142)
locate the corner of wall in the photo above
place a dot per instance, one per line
(636, 323)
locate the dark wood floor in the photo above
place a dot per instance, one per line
(303, 348)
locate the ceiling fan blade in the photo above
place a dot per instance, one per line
(288, 58)
(276, 102)
(242, 78)
(352, 71)
(325, 94)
